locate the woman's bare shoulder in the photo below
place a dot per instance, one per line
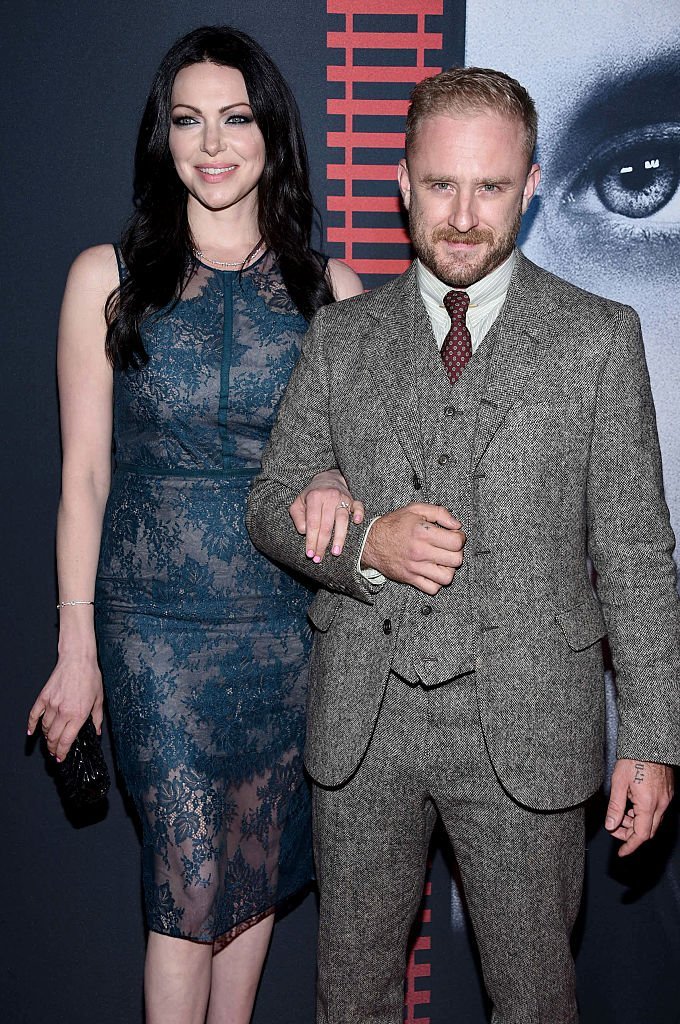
(94, 270)
(343, 280)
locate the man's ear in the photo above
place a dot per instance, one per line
(404, 182)
(530, 186)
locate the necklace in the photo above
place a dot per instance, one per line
(238, 263)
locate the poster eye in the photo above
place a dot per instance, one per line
(636, 180)
(633, 177)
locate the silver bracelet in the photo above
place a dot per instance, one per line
(68, 604)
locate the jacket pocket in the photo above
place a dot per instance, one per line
(583, 625)
(323, 610)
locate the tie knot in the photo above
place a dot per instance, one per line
(456, 304)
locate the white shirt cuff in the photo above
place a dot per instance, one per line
(372, 575)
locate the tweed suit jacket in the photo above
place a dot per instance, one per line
(565, 465)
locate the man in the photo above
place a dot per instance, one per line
(457, 668)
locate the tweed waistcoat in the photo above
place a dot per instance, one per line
(437, 637)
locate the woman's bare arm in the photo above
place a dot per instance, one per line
(74, 688)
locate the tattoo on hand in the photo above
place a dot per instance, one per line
(639, 772)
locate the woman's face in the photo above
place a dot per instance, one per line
(216, 146)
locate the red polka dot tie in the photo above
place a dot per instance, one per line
(457, 347)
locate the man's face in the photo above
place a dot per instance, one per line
(465, 186)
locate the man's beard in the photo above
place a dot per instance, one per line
(461, 272)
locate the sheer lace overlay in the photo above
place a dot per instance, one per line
(203, 642)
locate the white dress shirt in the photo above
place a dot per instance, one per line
(486, 298)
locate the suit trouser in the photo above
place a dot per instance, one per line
(522, 870)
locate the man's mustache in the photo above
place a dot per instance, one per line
(472, 237)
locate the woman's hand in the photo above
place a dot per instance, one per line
(73, 691)
(324, 509)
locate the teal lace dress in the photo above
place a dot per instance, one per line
(203, 642)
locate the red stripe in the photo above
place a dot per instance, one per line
(397, 236)
(366, 140)
(361, 172)
(385, 6)
(384, 40)
(370, 204)
(390, 108)
(389, 267)
(350, 73)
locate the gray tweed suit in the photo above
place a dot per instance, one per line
(485, 703)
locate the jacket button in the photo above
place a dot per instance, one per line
(442, 460)
(426, 609)
(449, 410)
(387, 627)
(416, 483)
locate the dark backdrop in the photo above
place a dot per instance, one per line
(74, 80)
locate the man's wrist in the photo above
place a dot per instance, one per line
(368, 572)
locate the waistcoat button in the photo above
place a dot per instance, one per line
(449, 410)
(442, 460)
(426, 609)
(416, 483)
(387, 627)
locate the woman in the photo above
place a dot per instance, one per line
(178, 346)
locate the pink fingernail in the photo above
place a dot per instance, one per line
(58, 760)
(336, 549)
(317, 558)
(310, 552)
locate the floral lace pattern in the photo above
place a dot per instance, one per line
(203, 642)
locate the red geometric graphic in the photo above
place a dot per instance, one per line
(419, 966)
(369, 247)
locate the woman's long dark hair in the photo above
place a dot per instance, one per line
(157, 245)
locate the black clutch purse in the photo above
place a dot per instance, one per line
(82, 776)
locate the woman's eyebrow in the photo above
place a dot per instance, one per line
(222, 110)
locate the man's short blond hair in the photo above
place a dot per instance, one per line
(472, 90)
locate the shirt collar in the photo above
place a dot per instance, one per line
(485, 294)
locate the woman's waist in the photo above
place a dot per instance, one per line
(230, 470)
(281, 609)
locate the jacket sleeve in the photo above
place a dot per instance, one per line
(631, 546)
(300, 446)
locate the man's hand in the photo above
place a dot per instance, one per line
(648, 787)
(421, 545)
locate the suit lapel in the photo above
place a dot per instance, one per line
(518, 339)
(400, 334)
(403, 340)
